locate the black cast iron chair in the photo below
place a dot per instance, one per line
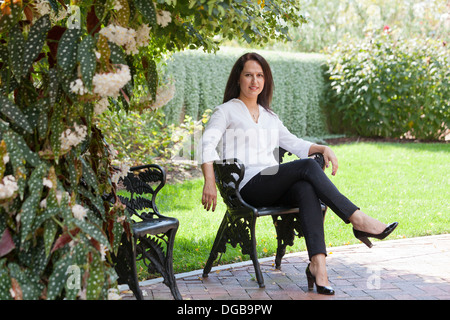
(239, 221)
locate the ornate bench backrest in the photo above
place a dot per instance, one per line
(143, 183)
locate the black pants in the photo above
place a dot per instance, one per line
(300, 183)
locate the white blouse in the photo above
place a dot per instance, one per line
(232, 133)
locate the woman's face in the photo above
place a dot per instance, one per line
(251, 80)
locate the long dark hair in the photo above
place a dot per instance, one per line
(232, 90)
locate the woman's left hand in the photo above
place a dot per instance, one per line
(329, 156)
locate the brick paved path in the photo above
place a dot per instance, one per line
(417, 268)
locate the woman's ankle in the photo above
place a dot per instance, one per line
(365, 223)
(319, 269)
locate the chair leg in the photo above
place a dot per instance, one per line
(236, 230)
(219, 245)
(125, 265)
(254, 255)
(284, 226)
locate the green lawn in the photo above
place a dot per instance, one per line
(408, 183)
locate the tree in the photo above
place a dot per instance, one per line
(62, 63)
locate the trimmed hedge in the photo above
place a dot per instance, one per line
(200, 81)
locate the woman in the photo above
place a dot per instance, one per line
(250, 131)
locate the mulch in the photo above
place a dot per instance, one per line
(344, 140)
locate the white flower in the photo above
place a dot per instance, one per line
(109, 84)
(6, 158)
(77, 87)
(43, 203)
(163, 18)
(103, 250)
(121, 219)
(8, 187)
(143, 35)
(79, 212)
(163, 96)
(48, 183)
(113, 294)
(129, 38)
(121, 173)
(121, 36)
(117, 5)
(101, 106)
(43, 7)
(59, 195)
(71, 138)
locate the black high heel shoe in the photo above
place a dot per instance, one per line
(364, 236)
(320, 289)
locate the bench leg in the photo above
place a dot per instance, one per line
(170, 280)
(152, 253)
(125, 266)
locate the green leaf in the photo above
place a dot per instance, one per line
(89, 175)
(18, 163)
(73, 284)
(30, 205)
(117, 54)
(67, 50)
(95, 199)
(9, 20)
(58, 277)
(93, 231)
(35, 41)
(53, 85)
(56, 127)
(21, 146)
(117, 234)
(147, 9)
(16, 47)
(29, 283)
(152, 78)
(87, 60)
(42, 120)
(96, 278)
(5, 283)
(50, 229)
(13, 113)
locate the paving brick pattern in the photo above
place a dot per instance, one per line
(406, 269)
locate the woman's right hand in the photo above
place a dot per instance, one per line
(209, 196)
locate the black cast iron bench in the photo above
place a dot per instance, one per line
(152, 236)
(239, 221)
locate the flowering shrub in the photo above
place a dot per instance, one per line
(61, 66)
(390, 87)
